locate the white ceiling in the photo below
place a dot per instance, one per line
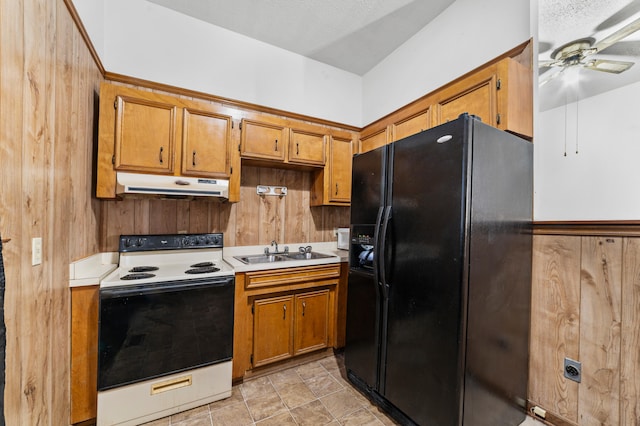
(562, 21)
(353, 35)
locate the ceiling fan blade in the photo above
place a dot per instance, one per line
(550, 77)
(615, 67)
(623, 32)
(546, 63)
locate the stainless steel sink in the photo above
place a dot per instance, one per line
(280, 257)
(261, 258)
(307, 256)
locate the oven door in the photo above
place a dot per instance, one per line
(152, 330)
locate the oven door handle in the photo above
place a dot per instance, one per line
(165, 287)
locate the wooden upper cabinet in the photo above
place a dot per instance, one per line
(206, 137)
(332, 184)
(263, 141)
(373, 140)
(340, 161)
(145, 135)
(500, 94)
(410, 126)
(148, 132)
(477, 98)
(306, 147)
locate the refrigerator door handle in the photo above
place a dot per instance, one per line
(376, 250)
(383, 250)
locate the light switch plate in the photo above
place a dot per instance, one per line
(36, 251)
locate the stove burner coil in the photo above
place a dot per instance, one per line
(143, 268)
(201, 265)
(137, 276)
(203, 270)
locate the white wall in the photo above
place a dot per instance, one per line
(466, 35)
(601, 181)
(151, 42)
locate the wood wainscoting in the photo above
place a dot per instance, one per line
(586, 306)
(49, 83)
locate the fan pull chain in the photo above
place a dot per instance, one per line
(577, 115)
(566, 121)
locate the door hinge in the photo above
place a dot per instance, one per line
(497, 118)
(113, 159)
(498, 84)
(251, 359)
(231, 171)
(239, 148)
(232, 124)
(115, 103)
(240, 125)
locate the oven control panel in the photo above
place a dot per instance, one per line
(133, 243)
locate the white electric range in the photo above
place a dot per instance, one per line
(165, 329)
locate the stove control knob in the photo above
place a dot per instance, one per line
(128, 242)
(140, 242)
(185, 242)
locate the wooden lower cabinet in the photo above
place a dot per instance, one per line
(272, 330)
(84, 353)
(289, 325)
(283, 313)
(311, 325)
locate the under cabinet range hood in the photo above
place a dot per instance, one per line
(170, 186)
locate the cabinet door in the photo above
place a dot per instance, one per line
(272, 330)
(340, 170)
(306, 148)
(373, 141)
(263, 140)
(84, 353)
(479, 99)
(145, 135)
(205, 143)
(412, 125)
(312, 321)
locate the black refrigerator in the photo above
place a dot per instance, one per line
(439, 285)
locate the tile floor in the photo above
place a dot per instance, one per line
(315, 393)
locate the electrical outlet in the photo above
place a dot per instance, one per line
(573, 370)
(36, 251)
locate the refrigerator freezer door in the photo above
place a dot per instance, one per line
(363, 324)
(424, 272)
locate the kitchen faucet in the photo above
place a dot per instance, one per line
(275, 243)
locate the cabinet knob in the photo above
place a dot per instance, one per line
(161, 149)
(193, 160)
(276, 144)
(284, 311)
(304, 307)
(297, 148)
(336, 189)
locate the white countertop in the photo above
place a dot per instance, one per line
(329, 248)
(91, 270)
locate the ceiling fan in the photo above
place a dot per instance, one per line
(578, 53)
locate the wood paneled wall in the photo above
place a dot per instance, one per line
(586, 306)
(254, 220)
(48, 86)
